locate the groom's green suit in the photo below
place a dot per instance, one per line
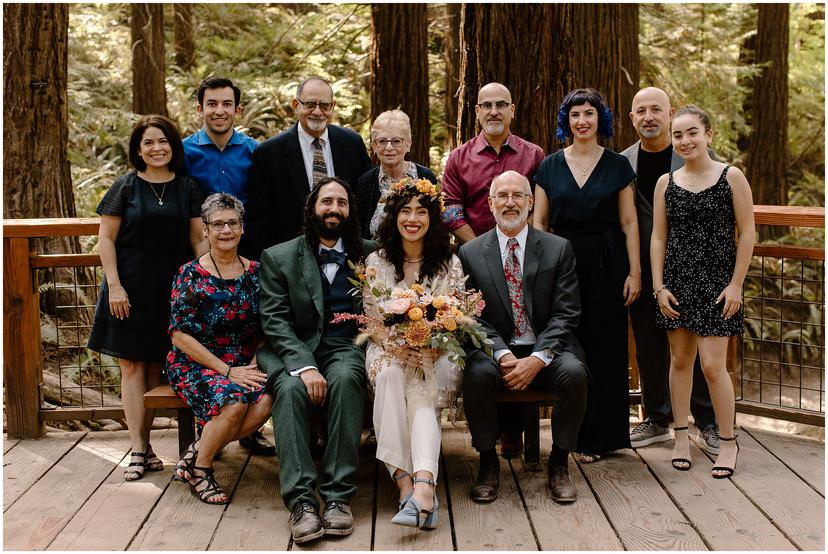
(292, 313)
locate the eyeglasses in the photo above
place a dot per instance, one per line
(487, 106)
(312, 105)
(218, 225)
(395, 142)
(503, 197)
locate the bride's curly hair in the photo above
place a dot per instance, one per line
(436, 247)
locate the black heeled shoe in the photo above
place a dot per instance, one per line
(676, 461)
(727, 469)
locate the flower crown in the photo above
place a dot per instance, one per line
(409, 187)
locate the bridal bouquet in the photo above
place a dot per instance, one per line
(413, 317)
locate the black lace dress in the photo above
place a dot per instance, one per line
(152, 243)
(700, 257)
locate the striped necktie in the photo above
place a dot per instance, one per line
(320, 169)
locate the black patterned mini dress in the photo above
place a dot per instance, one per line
(700, 257)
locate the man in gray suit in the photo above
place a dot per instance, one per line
(528, 280)
(651, 157)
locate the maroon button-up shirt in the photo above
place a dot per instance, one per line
(469, 172)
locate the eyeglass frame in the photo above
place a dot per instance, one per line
(233, 224)
(316, 104)
(389, 141)
(503, 197)
(495, 105)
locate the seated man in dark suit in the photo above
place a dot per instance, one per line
(528, 280)
(312, 362)
(286, 167)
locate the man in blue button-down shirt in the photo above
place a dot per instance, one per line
(218, 156)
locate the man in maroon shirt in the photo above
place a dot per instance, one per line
(472, 166)
(469, 172)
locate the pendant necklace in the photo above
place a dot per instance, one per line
(161, 196)
(210, 253)
(584, 171)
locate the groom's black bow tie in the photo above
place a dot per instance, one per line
(331, 256)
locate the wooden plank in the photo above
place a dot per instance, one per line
(8, 443)
(787, 251)
(362, 509)
(500, 525)
(181, 521)
(256, 518)
(804, 456)
(715, 507)
(794, 216)
(581, 525)
(114, 513)
(22, 362)
(780, 412)
(794, 507)
(65, 260)
(30, 460)
(43, 511)
(51, 227)
(67, 413)
(163, 396)
(389, 536)
(644, 517)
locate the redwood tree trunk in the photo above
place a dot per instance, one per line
(149, 95)
(530, 54)
(451, 56)
(630, 74)
(767, 160)
(184, 40)
(37, 180)
(399, 69)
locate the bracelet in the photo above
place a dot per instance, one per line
(655, 292)
(228, 371)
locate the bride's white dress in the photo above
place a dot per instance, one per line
(408, 402)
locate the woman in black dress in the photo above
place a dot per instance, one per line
(150, 226)
(703, 236)
(584, 194)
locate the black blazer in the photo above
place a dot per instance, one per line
(278, 185)
(550, 288)
(367, 193)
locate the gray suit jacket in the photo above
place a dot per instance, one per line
(550, 288)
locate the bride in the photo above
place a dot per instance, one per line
(412, 386)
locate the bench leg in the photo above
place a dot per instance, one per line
(531, 451)
(186, 429)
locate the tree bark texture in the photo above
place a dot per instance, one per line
(149, 95)
(630, 74)
(451, 57)
(767, 160)
(399, 69)
(37, 180)
(530, 53)
(184, 39)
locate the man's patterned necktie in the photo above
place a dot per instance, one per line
(514, 281)
(320, 169)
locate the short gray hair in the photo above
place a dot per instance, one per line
(220, 201)
(392, 116)
(510, 174)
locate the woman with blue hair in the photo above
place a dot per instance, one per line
(584, 193)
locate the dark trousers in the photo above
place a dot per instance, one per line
(652, 352)
(566, 378)
(343, 366)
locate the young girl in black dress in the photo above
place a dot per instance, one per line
(703, 236)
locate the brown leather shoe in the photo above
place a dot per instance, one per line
(337, 518)
(305, 524)
(488, 481)
(511, 444)
(561, 486)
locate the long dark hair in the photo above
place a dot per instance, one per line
(436, 247)
(351, 238)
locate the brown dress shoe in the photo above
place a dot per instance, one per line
(561, 486)
(511, 444)
(337, 518)
(488, 481)
(305, 524)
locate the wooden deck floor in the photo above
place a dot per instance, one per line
(66, 492)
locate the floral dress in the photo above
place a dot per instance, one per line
(222, 315)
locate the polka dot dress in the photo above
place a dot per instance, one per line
(701, 255)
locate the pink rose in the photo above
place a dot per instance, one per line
(398, 305)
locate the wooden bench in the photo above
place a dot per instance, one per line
(532, 400)
(163, 396)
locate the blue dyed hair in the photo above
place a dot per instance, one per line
(579, 97)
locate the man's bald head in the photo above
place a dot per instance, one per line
(651, 114)
(494, 88)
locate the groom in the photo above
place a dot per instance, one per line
(528, 280)
(311, 362)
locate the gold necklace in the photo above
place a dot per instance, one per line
(585, 171)
(414, 261)
(163, 190)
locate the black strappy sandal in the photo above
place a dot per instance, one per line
(154, 463)
(728, 469)
(675, 461)
(135, 470)
(212, 489)
(183, 470)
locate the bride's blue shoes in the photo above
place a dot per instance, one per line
(411, 515)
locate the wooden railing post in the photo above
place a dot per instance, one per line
(22, 360)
